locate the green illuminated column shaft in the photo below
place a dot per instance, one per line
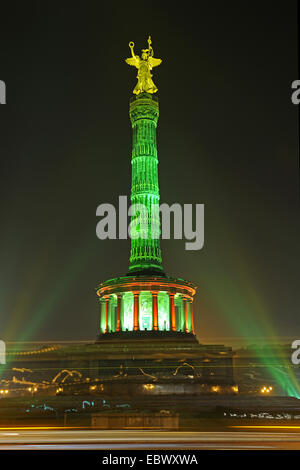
(145, 254)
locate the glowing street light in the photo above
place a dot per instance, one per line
(266, 389)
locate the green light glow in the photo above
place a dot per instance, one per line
(127, 314)
(145, 320)
(179, 313)
(240, 301)
(189, 317)
(111, 314)
(42, 307)
(102, 315)
(145, 251)
(163, 304)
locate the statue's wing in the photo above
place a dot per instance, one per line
(134, 61)
(154, 62)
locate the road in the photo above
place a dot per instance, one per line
(20, 439)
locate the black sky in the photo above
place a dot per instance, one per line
(227, 137)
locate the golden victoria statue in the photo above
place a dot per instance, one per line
(144, 66)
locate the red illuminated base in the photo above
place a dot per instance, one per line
(180, 292)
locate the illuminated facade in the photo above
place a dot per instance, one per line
(140, 302)
(145, 299)
(146, 344)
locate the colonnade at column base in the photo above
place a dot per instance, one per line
(146, 303)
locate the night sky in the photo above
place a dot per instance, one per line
(227, 137)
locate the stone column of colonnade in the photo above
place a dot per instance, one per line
(112, 307)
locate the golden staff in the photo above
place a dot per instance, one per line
(131, 45)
